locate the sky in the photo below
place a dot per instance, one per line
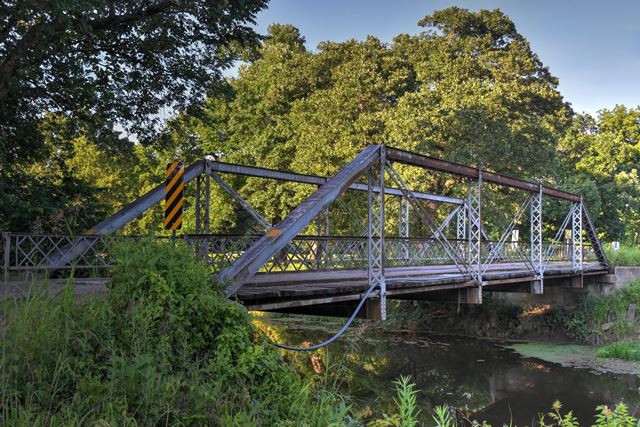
(592, 46)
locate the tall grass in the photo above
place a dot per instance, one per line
(406, 401)
(625, 350)
(625, 256)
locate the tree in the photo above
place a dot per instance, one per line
(606, 151)
(102, 63)
(467, 89)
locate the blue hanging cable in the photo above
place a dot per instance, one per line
(337, 335)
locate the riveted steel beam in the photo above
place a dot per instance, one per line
(537, 261)
(474, 205)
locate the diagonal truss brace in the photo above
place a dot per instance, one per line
(247, 207)
(277, 238)
(241, 201)
(592, 237)
(506, 234)
(558, 237)
(445, 223)
(426, 219)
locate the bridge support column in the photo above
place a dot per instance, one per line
(375, 233)
(577, 281)
(372, 309)
(537, 286)
(474, 295)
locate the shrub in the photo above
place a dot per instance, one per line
(164, 347)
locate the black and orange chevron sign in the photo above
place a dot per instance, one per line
(174, 196)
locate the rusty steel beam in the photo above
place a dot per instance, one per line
(416, 159)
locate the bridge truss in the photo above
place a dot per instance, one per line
(441, 241)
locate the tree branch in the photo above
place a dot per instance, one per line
(31, 39)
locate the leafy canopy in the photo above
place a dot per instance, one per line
(468, 89)
(92, 67)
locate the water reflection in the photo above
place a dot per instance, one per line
(480, 378)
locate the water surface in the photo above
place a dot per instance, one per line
(481, 378)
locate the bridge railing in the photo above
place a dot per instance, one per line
(36, 252)
(348, 252)
(33, 252)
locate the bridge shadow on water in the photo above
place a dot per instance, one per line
(481, 379)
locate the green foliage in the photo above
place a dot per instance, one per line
(405, 401)
(607, 150)
(625, 256)
(164, 347)
(441, 92)
(555, 418)
(617, 417)
(108, 65)
(595, 311)
(625, 350)
(442, 416)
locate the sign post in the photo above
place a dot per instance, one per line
(174, 197)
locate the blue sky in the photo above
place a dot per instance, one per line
(593, 47)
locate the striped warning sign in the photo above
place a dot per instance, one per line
(174, 196)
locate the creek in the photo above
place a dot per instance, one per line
(482, 379)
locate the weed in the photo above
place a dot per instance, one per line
(625, 256)
(625, 350)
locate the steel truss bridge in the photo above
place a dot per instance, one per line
(439, 247)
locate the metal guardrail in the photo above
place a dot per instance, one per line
(35, 252)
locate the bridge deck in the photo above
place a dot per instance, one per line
(281, 290)
(275, 291)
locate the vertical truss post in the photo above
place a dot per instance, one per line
(403, 226)
(576, 236)
(474, 205)
(461, 228)
(375, 234)
(537, 286)
(203, 199)
(322, 224)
